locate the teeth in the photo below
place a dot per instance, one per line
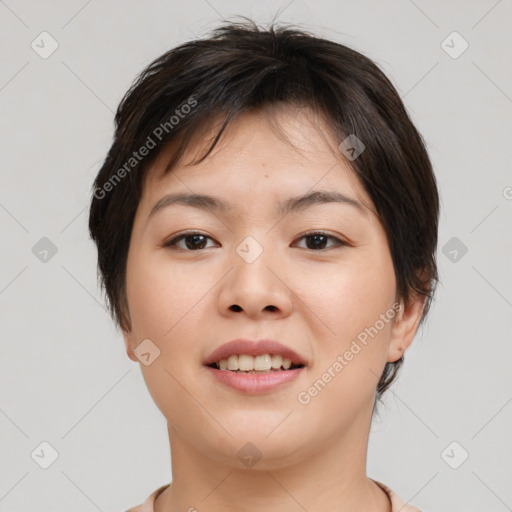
(277, 361)
(245, 362)
(264, 363)
(232, 362)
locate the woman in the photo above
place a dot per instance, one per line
(266, 222)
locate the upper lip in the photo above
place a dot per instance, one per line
(254, 348)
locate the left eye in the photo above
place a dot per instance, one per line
(196, 241)
(318, 240)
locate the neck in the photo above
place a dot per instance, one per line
(330, 478)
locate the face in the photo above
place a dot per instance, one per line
(316, 278)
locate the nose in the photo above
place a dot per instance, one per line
(257, 289)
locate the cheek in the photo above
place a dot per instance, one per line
(349, 296)
(162, 297)
(165, 307)
(351, 341)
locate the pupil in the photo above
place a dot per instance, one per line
(317, 243)
(196, 238)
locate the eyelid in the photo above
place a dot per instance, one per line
(174, 239)
(340, 241)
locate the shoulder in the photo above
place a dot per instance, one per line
(397, 504)
(147, 506)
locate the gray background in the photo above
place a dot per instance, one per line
(64, 375)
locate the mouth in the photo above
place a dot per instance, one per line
(261, 356)
(247, 364)
(254, 367)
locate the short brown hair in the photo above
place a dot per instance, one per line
(242, 67)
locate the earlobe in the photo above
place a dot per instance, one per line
(404, 328)
(127, 344)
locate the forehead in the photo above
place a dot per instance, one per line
(265, 153)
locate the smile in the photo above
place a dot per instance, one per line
(263, 363)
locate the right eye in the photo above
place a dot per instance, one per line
(194, 241)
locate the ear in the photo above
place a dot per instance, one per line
(404, 329)
(127, 343)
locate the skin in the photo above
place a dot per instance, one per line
(314, 454)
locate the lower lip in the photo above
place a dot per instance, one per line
(254, 383)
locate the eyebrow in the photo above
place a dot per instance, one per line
(293, 204)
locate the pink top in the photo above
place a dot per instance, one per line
(397, 504)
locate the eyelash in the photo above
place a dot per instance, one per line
(171, 243)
